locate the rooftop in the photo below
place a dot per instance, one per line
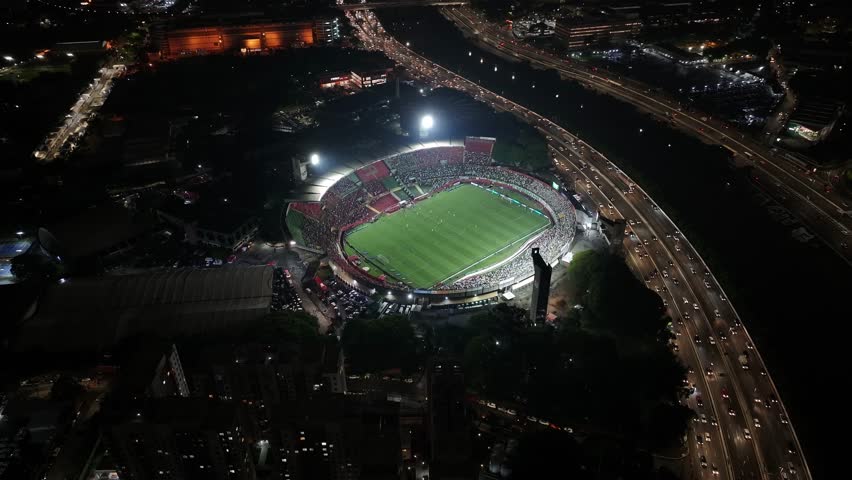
(98, 312)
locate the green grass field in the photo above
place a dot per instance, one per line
(445, 237)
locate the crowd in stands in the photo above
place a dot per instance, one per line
(477, 158)
(374, 171)
(384, 202)
(339, 210)
(479, 145)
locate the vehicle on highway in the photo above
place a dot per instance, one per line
(699, 439)
(715, 470)
(747, 433)
(732, 412)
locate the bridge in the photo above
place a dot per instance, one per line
(400, 3)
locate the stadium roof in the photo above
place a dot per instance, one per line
(101, 311)
(313, 189)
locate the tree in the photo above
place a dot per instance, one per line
(666, 424)
(374, 345)
(34, 267)
(547, 454)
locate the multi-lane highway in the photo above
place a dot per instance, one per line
(76, 122)
(744, 429)
(820, 207)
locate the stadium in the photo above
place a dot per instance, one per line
(437, 220)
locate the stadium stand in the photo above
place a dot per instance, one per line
(390, 183)
(313, 210)
(375, 188)
(374, 171)
(479, 145)
(384, 202)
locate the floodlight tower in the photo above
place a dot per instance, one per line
(300, 166)
(426, 124)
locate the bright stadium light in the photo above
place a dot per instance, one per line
(314, 159)
(410, 296)
(427, 122)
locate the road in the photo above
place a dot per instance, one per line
(76, 122)
(826, 213)
(707, 325)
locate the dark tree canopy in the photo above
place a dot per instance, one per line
(374, 345)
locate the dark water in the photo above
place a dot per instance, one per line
(792, 296)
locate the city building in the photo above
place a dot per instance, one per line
(331, 80)
(333, 437)
(180, 438)
(326, 30)
(448, 425)
(243, 35)
(118, 230)
(156, 373)
(815, 117)
(226, 227)
(577, 33)
(541, 288)
(613, 233)
(370, 78)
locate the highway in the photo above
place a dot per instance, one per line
(348, 7)
(76, 122)
(709, 333)
(826, 213)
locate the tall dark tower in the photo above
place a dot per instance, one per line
(541, 288)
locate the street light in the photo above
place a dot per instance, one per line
(315, 159)
(8, 58)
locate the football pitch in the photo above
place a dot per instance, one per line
(445, 237)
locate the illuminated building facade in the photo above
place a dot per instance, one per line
(176, 41)
(326, 30)
(592, 31)
(370, 78)
(335, 80)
